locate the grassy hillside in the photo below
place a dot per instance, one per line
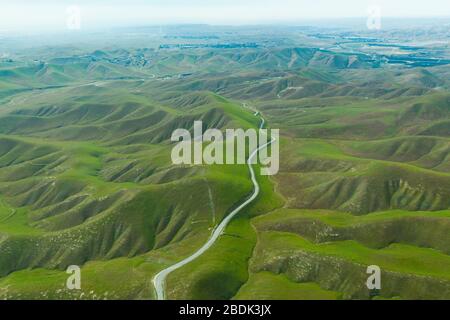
(86, 176)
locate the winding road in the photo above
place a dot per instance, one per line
(159, 280)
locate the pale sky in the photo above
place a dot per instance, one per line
(53, 14)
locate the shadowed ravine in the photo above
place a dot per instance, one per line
(159, 280)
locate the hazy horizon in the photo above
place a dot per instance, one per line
(26, 15)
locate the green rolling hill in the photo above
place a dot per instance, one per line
(86, 176)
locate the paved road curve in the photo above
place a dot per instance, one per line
(159, 280)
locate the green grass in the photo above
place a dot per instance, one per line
(347, 147)
(342, 219)
(396, 257)
(100, 280)
(268, 286)
(318, 174)
(15, 221)
(220, 272)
